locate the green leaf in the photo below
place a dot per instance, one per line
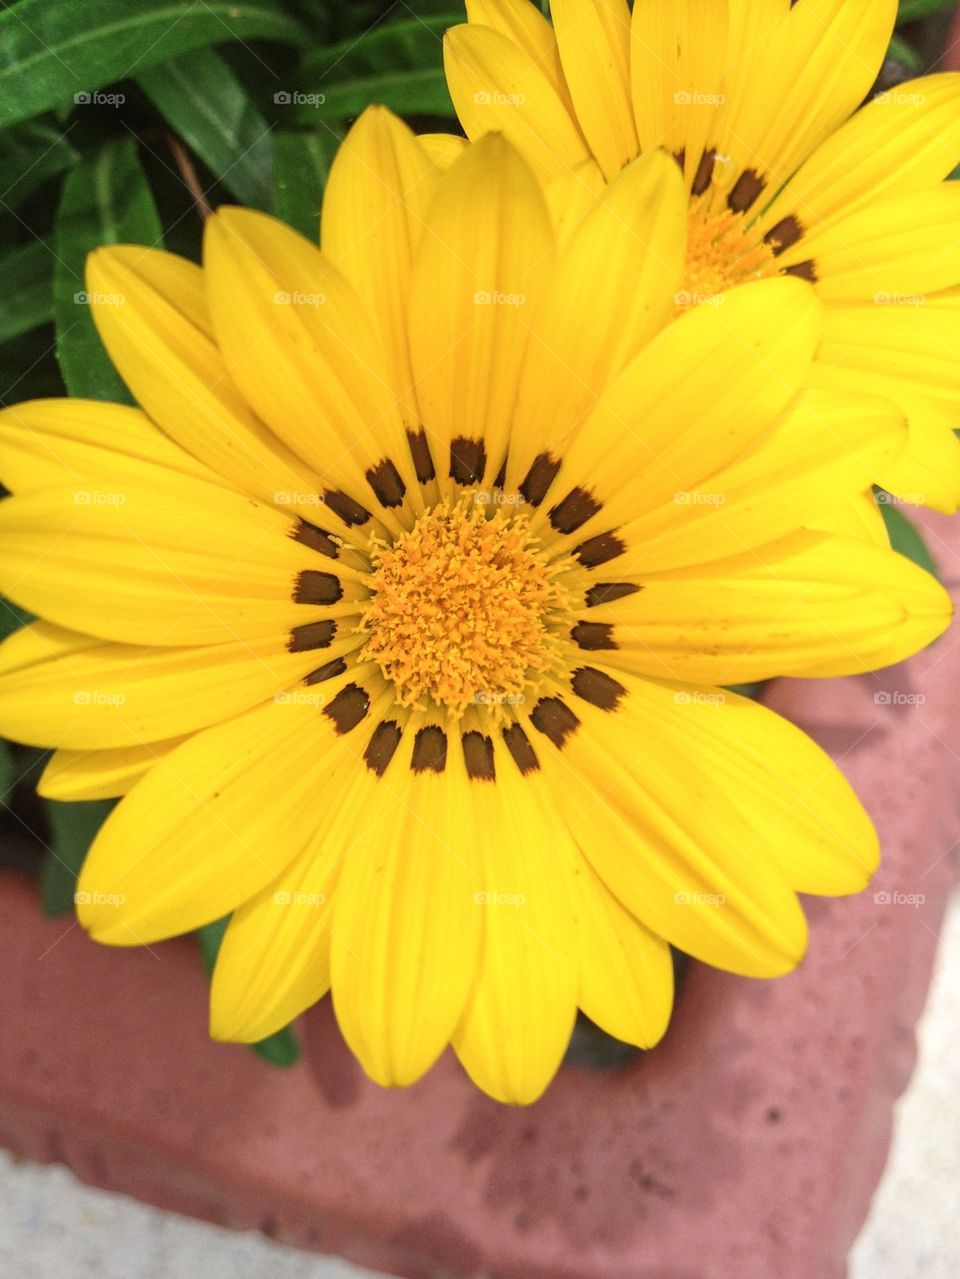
(399, 64)
(57, 51)
(905, 537)
(12, 618)
(281, 1048)
(904, 53)
(301, 167)
(29, 155)
(105, 200)
(72, 828)
(911, 10)
(204, 102)
(26, 299)
(8, 773)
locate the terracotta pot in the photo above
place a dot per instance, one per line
(749, 1143)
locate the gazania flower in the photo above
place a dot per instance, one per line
(758, 101)
(400, 609)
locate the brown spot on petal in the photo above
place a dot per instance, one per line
(478, 757)
(785, 234)
(327, 671)
(554, 719)
(308, 534)
(348, 708)
(429, 750)
(607, 592)
(539, 478)
(311, 635)
(597, 688)
(422, 459)
(382, 746)
(704, 172)
(518, 744)
(593, 635)
(387, 484)
(745, 191)
(803, 270)
(575, 509)
(598, 550)
(314, 587)
(468, 460)
(349, 510)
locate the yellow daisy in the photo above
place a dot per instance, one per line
(399, 611)
(758, 101)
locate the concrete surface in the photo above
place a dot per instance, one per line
(53, 1227)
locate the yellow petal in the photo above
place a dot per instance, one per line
(702, 811)
(119, 695)
(158, 565)
(523, 24)
(802, 77)
(895, 250)
(406, 928)
(210, 825)
(49, 442)
(594, 42)
(827, 450)
(518, 1021)
(477, 281)
(498, 86)
(302, 348)
(626, 971)
(810, 603)
(904, 140)
(80, 775)
(374, 210)
(678, 54)
(274, 961)
(704, 391)
(589, 326)
(146, 309)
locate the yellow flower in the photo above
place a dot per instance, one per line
(758, 101)
(399, 612)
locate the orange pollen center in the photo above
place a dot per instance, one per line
(721, 251)
(462, 609)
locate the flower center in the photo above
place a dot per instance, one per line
(721, 251)
(463, 608)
